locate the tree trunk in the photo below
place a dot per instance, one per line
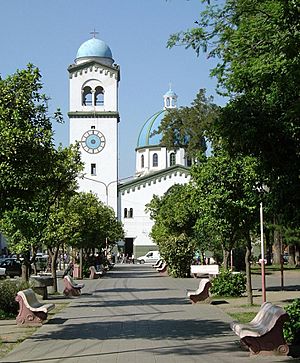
(277, 246)
(225, 258)
(292, 254)
(248, 269)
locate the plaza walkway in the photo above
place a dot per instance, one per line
(134, 315)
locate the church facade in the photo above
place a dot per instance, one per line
(94, 119)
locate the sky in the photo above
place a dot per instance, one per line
(49, 33)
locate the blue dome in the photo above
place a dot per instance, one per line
(146, 138)
(94, 48)
(170, 93)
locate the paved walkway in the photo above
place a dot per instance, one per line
(134, 315)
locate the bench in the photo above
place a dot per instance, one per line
(162, 268)
(71, 287)
(94, 274)
(158, 263)
(202, 293)
(264, 334)
(204, 270)
(31, 311)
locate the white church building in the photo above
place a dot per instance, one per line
(94, 118)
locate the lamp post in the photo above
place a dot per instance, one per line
(106, 185)
(262, 263)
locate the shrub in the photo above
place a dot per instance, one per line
(229, 284)
(8, 292)
(291, 329)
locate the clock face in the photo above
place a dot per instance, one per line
(93, 141)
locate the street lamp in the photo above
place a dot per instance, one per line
(264, 188)
(106, 185)
(262, 261)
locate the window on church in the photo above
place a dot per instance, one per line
(125, 213)
(155, 160)
(130, 213)
(142, 161)
(99, 96)
(188, 161)
(93, 169)
(87, 96)
(172, 159)
(168, 102)
(93, 127)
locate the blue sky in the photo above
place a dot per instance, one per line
(49, 33)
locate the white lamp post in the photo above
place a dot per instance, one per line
(262, 261)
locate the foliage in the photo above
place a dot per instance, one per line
(173, 228)
(8, 292)
(93, 222)
(291, 329)
(187, 127)
(257, 44)
(229, 284)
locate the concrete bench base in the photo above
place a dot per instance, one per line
(31, 311)
(71, 287)
(264, 334)
(202, 293)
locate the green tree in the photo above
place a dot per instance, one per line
(257, 44)
(25, 138)
(187, 127)
(96, 223)
(228, 202)
(173, 228)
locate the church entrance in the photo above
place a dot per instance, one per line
(128, 248)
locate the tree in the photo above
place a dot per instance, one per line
(173, 228)
(33, 173)
(257, 44)
(25, 138)
(187, 127)
(96, 222)
(227, 198)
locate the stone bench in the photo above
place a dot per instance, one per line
(31, 311)
(264, 334)
(72, 288)
(204, 270)
(158, 263)
(162, 268)
(202, 293)
(94, 274)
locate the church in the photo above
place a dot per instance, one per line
(94, 118)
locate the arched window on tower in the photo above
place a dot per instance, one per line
(142, 161)
(99, 96)
(125, 213)
(87, 96)
(130, 213)
(172, 159)
(155, 159)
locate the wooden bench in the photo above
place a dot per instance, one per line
(71, 287)
(204, 270)
(94, 274)
(264, 334)
(31, 311)
(202, 293)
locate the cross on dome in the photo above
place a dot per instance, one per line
(94, 33)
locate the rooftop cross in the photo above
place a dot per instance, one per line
(94, 33)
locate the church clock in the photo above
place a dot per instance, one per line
(93, 141)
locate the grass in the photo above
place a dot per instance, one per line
(244, 317)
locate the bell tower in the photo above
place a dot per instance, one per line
(94, 117)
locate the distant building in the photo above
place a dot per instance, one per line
(94, 118)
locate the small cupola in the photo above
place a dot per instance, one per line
(170, 99)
